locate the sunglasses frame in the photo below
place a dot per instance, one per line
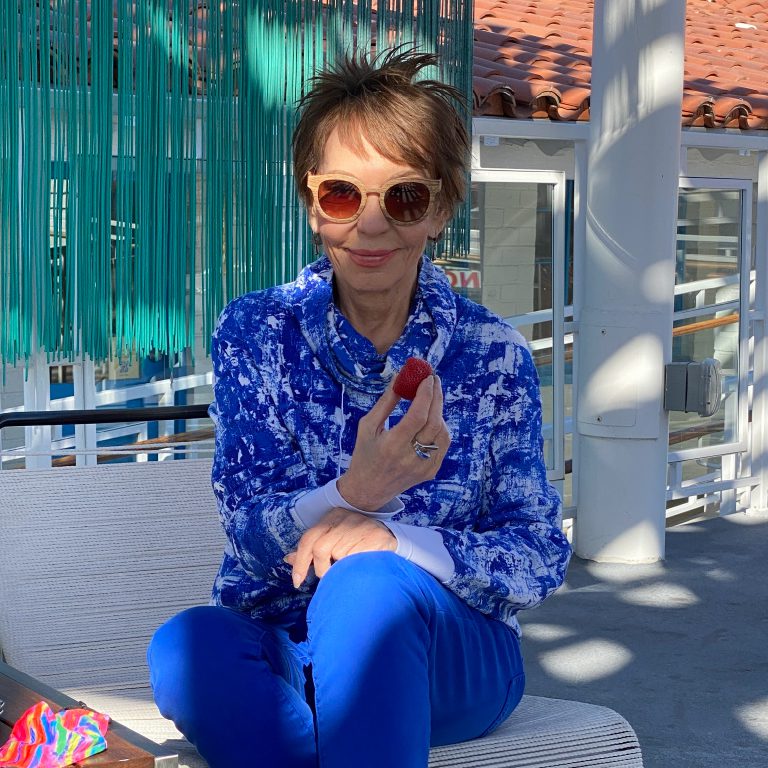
(315, 180)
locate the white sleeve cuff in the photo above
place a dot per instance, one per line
(312, 506)
(423, 547)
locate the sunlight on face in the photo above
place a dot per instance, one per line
(373, 258)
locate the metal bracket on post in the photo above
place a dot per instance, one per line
(693, 387)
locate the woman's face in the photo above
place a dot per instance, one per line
(372, 255)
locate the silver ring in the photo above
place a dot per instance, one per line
(423, 451)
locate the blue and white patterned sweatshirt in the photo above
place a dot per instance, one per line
(292, 378)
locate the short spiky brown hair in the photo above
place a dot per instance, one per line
(415, 122)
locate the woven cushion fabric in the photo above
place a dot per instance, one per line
(540, 733)
(549, 733)
(93, 560)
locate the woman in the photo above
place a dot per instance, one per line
(378, 549)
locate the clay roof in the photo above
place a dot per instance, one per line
(533, 59)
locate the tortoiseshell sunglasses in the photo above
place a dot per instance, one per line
(341, 198)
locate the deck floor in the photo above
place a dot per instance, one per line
(680, 648)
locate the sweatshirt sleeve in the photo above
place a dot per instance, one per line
(258, 469)
(312, 506)
(515, 555)
(424, 547)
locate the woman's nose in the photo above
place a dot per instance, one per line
(372, 220)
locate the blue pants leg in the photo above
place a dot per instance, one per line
(234, 687)
(400, 663)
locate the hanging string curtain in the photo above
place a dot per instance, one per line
(97, 179)
(145, 157)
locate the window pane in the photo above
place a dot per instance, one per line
(712, 335)
(708, 234)
(707, 313)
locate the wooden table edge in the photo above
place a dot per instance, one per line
(125, 748)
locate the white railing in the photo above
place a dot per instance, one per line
(90, 443)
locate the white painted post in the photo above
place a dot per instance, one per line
(85, 398)
(37, 397)
(165, 428)
(627, 284)
(759, 447)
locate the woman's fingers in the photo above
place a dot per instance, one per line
(435, 415)
(339, 534)
(304, 554)
(326, 549)
(386, 462)
(315, 546)
(417, 415)
(379, 454)
(382, 409)
(429, 428)
(310, 547)
(435, 431)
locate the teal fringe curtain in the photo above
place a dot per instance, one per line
(145, 157)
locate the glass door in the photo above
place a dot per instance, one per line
(711, 320)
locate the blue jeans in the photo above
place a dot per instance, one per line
(390, 663)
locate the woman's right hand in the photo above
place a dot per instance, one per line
(384, 462)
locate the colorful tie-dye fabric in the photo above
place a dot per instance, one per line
(292, 378)
(42, 738)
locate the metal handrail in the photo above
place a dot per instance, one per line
(102, 416)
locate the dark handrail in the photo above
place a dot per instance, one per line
(102, 416)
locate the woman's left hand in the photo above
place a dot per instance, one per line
(340, 533)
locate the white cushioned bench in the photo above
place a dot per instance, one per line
(93, 560)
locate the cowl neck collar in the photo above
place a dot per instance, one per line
(350, 357)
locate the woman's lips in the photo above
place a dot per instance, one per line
(369, 258)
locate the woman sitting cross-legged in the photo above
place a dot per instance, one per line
(379, 548)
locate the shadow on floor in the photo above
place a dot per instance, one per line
(680, 648)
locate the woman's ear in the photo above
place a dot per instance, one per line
(312, 218)
(439, 220)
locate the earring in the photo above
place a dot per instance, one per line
(432, 245)
(317, 244)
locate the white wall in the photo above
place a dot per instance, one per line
(528, 154)
(508, 240)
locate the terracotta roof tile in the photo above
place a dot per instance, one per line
(534, 59)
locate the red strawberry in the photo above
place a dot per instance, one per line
(411, 375)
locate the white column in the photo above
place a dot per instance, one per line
(37, 397)
(759, 447)
(627, 284)
(85, 399)
(165, 428)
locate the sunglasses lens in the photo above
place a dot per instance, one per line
(407, 201)
(338, 199)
